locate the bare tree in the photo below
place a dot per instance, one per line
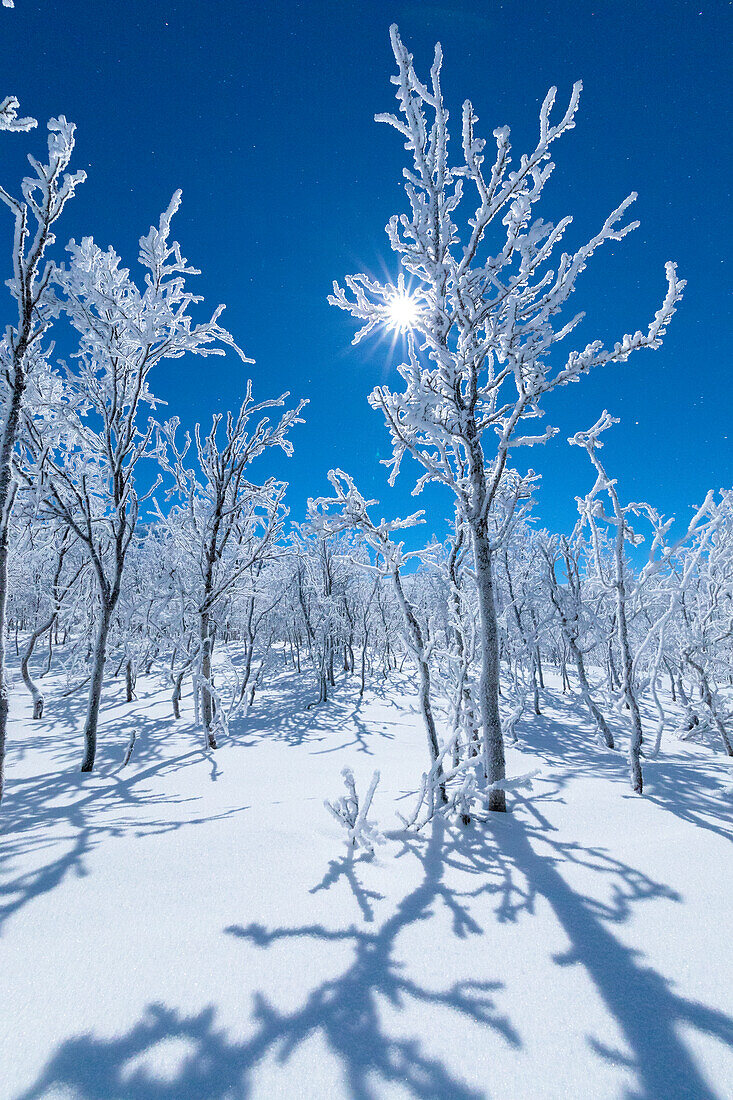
(618, 580)
(568, 605)
(480, 324)
(226, 525)
(44, 196)
(123, 333)
(353, 512)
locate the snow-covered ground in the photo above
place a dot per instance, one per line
(192, 926)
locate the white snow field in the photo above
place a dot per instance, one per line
(193, 926)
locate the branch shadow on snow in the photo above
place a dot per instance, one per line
(643, 1003)
(51, 821)
(496, 870)
(344, 1012)
(55, 818)
(346, 867)
(286, 712)
(521, 861)
(507, 865)
(687, 782)
(518, 860)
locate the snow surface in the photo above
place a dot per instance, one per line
(193, 926)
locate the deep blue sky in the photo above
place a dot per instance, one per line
(263, 114)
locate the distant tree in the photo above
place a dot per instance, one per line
(602, 507)
(352, 512)
(225, 526)
(573, 615)
(124, 332)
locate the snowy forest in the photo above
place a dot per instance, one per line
(440, 728)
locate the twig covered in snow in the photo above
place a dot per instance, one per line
(352, 815)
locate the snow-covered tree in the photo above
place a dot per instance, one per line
(225, 526)
(352, 512)
(482, 309)
(602, 507)
(22, 351)
(123, 332)
(575, 617)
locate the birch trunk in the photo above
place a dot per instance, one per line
(7, 496)
(423, 669)
(692, 718)
(129, 681)
(35, 692)
(493, 741)
(363, 666)
(707, 698)
(176, 697)
(635, 739)
(95, 688)
(207, 706)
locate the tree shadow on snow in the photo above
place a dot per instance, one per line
(514, 861)
(506, 865)
(519, 860)
(346, 867)
(51, 821)
(643, 1003)
(344, 1012)
(496, 870)
(689, 782)
(286, 712)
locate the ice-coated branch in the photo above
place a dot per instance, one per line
(9, 107)
(352, 814)
(348, 510)
(22, 358)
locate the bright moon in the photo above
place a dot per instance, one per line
(403, 312)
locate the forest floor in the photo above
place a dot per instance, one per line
(192, 927)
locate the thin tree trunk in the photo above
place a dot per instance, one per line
(207, 707)
(51, 634)
(595, 713)
(540, 674)
(363, 666)
(130, 747)
(7, 496)
(247, 672)
(258, 675)
(564, 673)
(707, 698)
(493, 740)
(423, 669)
(35, 692)
(177, 687)
(129, 681)
(635, 739)
(95, 688)
(571, 643)
(692, 718)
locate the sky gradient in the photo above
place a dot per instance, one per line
(263, 114)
